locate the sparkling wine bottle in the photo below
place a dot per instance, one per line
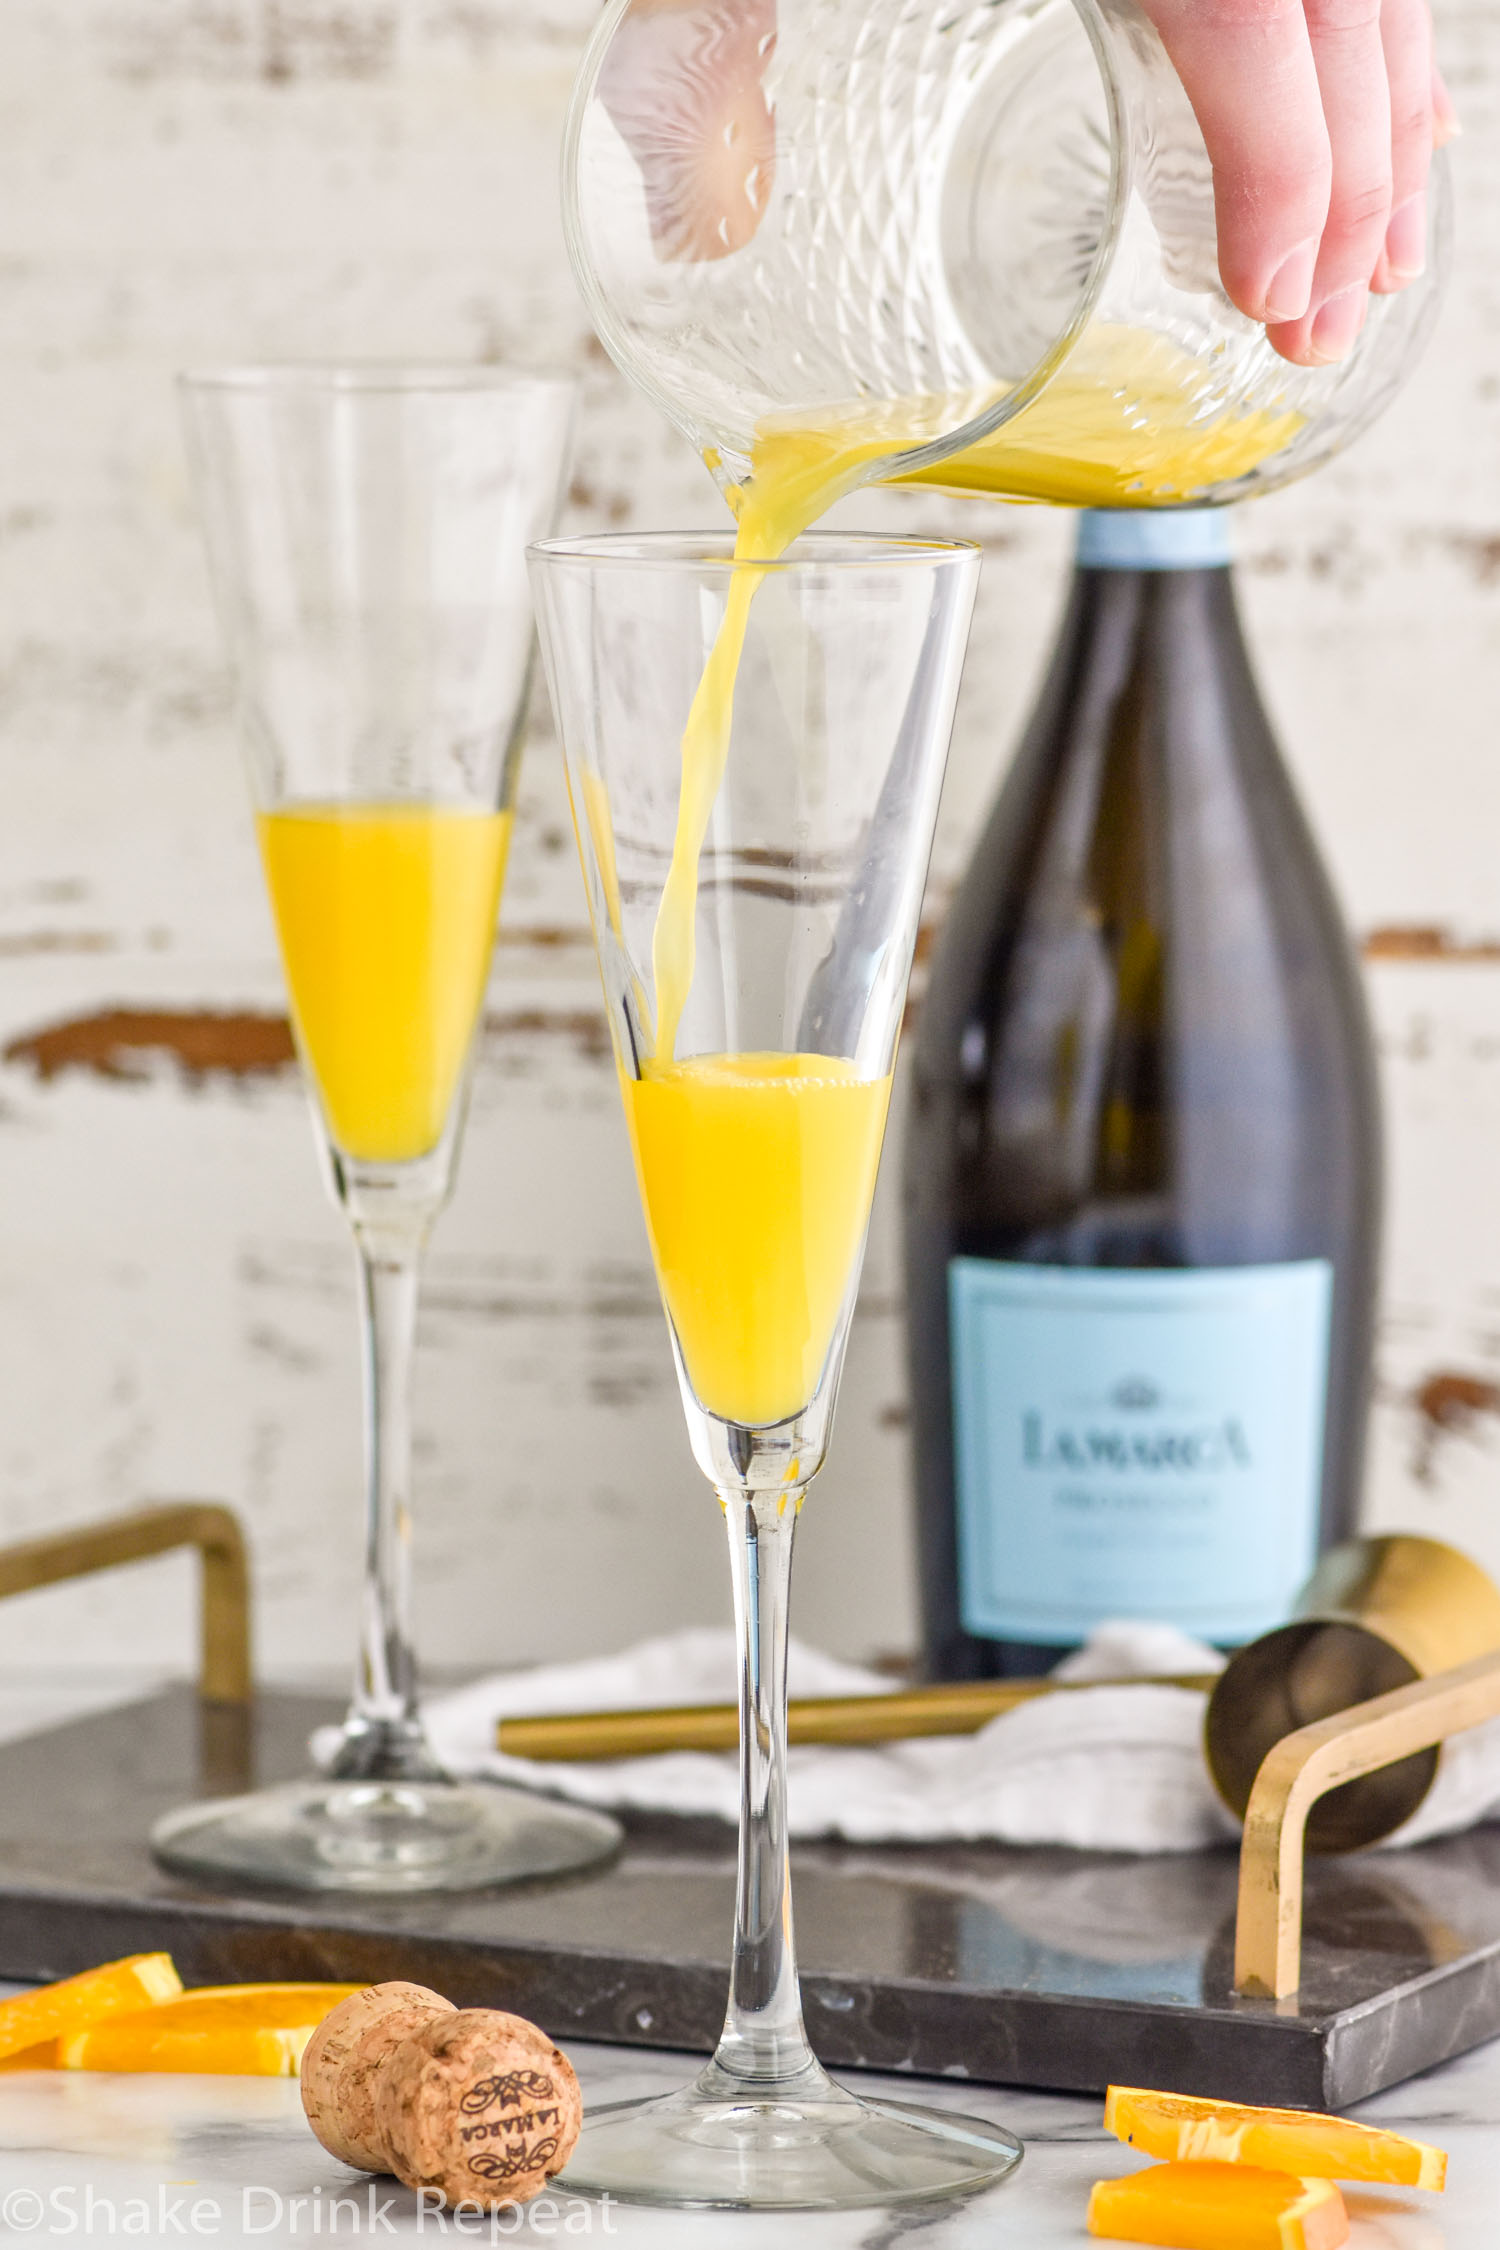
(1142, 1166)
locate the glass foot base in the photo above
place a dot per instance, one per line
(823, 2150)
(381, 1836)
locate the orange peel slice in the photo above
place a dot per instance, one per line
(1219, 2207)
(241, 2030)
(124, 1987)
(1187, 2128)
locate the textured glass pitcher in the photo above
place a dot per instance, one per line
(966, 240)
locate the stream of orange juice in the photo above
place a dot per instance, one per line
(757, 1170)
(1122, 425)
(756, 1173)
(386, 917)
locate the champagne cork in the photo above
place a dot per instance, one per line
(473, 2102)
(343, 2060)
(480, 2105)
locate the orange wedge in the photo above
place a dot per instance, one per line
(1219, 2207)
(1188, 2128)
(255, 2030)
(119, 1988)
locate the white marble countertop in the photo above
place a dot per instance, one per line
(230, 2160)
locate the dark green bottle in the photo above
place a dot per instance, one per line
(1142, 1168)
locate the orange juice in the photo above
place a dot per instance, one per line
(386, 916)
(1122, 425)
(756, 1173)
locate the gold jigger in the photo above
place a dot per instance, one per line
(1376, 1614)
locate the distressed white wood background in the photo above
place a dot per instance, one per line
(196, 179)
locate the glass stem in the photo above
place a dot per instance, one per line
(383, 1738)
(763, 2047)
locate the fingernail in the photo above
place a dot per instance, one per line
(1406, 239)
(1446, 129)
(1336, 326)
(1290, 291)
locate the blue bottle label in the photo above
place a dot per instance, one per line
(1136, 1444)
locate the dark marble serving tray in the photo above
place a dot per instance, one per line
(1028, 1967)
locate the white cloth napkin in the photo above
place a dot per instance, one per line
(1110, 1769)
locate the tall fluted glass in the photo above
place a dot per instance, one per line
(754, 755)
(366, 530)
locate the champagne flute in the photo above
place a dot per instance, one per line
(366, 529)
(754, 755)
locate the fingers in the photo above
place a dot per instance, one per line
(1350, 57)
(1406, 36)
(1320, 117)
(1251, 74)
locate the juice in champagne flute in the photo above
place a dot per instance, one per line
(386, 916)
(756, 1173)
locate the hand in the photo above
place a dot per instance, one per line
(1320, 118)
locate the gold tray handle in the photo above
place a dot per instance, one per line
(224, 1665)
(1302, 1768)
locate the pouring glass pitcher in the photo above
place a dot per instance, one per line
(965, 241)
